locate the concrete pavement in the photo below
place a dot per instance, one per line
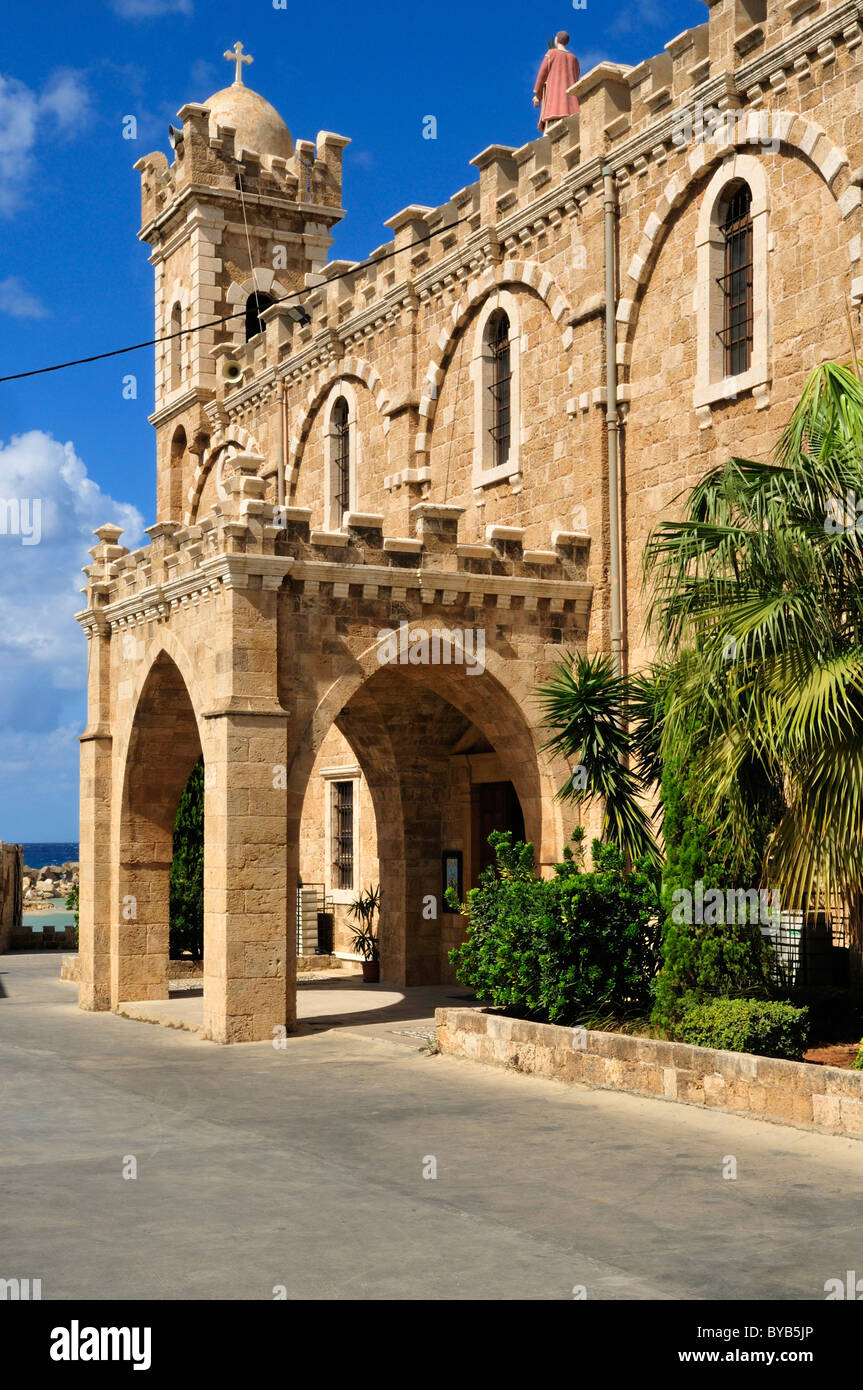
(303, 1167)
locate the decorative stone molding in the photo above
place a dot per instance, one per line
(516, 274)
(800, 135)
(232, 436)
(349, 367)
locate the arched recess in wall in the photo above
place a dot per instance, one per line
(213, 469)
(795, 137)
(508, 278)
(324, 392)
(256, 304)
(175, 348)
(491, 703)
(177, 466)
(262, 283)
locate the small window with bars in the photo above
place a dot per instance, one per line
(500, 387)
(341, 430)
(736, 333)
(342, 794)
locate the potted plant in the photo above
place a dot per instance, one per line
(364, 909)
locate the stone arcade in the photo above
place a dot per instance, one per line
(426, 443)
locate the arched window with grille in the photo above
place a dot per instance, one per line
(495, 368)
(500, 387)
(255, 306)
(732, 297)
(736, 282)
(342, 456)
(341, 428)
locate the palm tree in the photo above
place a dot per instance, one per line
(757, 605)
(598, 720)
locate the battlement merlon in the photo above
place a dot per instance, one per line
(246, 534)
(626, 112)
(629, 119)
(309, 180)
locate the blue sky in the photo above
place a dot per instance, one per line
(75, 280)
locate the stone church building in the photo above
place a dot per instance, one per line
(437, 443)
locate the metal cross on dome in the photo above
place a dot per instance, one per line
(236, 55)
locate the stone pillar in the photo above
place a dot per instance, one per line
(250, 872)
(94, 869)
(139, 922)
(96, 753)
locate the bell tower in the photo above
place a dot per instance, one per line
(238, 220)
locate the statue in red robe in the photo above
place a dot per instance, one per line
(558, 71)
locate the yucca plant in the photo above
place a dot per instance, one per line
(757, 604)
(601, 721)
(364, 908)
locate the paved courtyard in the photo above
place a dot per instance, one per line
(304, 1168)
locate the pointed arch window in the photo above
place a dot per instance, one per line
(255, 306)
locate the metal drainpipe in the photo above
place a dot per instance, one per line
(611, 418)
(283, 445)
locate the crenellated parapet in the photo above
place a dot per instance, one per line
(751, 57)
(249, 542)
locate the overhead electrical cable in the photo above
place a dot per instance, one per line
(226, 318)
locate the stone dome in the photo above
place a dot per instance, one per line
(258, 125)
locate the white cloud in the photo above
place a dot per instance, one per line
(17, 301)
(19, 111)
(64, 103)
(42, 649)
(67, 99)
(151, 9)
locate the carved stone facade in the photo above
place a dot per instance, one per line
(328, 469)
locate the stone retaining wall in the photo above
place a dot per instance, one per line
(23, 938)
(827, 1099)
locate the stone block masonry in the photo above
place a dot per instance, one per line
(329, 473)
(826, 1099)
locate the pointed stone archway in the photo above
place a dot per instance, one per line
(163, 748)
(247, 639)
(404, 726)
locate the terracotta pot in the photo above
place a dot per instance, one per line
(371, 971)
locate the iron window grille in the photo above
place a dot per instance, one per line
(736, 283)
(341, 458)
(343, 834)
(500, 387)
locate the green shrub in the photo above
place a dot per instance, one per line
(767, 1028)
(73, 905)
(187, 870)
(551, 949)
(703, 960)
(857, 1064)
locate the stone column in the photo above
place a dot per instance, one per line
(250, 872)
(94, 870)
